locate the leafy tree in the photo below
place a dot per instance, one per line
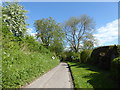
(50, 33)
(89, 41)
(13, 18)
(78, 29)
(88, 44)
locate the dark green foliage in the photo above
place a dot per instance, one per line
(70, 56)
(63, 56)
(85, 56)
(118, 49)
(106, 58)
(103, 56)
(76, 56)
(115, 69)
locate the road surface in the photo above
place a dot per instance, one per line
(58, 77)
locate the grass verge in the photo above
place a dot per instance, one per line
(86, 76)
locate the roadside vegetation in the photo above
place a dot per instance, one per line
(93, 71)
(23, 57)
(26, 57)
(21, 67)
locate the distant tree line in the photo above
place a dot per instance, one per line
(77, 32)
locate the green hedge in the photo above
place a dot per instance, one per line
(115, 68)
(85, 56)
(70, 56)
(118, 49)
(76, 56)
(102, 56)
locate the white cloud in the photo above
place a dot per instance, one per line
(108, 34)
(30, 32)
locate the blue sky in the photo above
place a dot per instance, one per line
(105, 14)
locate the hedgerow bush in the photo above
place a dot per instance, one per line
(85, 56)
(76, 56)
(118, 49)
(66, 56)
(70, 56)
(115, 69)
(102, 56)
(29, 43)
(63, 56)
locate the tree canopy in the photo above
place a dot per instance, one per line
(13, 18)
(79, 29)
(50, 33)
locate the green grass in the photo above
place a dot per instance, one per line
(21, 67)
(24, 61)
(86, 76)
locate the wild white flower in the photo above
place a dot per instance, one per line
(17, 32)
(10, 30)
(4, 53)
(4, 20)
(12, 13)
(10, 65)
(53, 57)
(12, 58)
(4, 15)
(20, 29)
(13, 27)
(9, 17)
(8, 55)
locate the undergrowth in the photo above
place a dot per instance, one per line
(21, 65)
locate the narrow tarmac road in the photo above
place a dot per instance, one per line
(58, 77)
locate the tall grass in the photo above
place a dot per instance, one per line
(21, 65)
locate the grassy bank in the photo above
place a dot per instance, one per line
(86, 76)
(20, 65)
(22, 68)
